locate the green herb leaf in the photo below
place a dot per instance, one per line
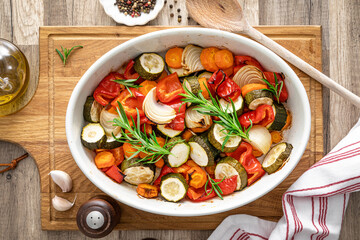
(139, 140)
(214, 187)
(275, 90)
(229, 121)
(66, 53)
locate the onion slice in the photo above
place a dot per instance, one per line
(106, 121)
(191, 59)
(194, 119)
(155, 111)
(260, 138)
(248, 74)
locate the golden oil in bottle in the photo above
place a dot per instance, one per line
(14, 74)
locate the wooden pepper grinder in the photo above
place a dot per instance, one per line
(97, 217)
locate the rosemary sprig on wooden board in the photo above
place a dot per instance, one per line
(276, 90)
(66, 52)
(139, 140)
(229, 121)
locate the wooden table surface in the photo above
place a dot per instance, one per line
(20, 21)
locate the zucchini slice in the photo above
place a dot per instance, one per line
(276, 157)
(194, 84)
(206, 75)
(110, 142)
(173, 187)
(228, 167)
(93, 136)
(137, 173)
(280, 117)
(92, 110)
(179, 153)
(149, 65)
(191, 59)
(167, 132)
(239, 105)
(260, 138)
(201, 150)
(258, 97)
(217, 136)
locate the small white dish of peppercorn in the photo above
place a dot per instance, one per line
(132, 12)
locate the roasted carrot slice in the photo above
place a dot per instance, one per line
(191, 163)
(160, 163)
(173, 57)
(210, 169)
(251, 87)
(203, 83)
(197, 177)
(207, 58)
(224, 59)
(146, 190)
(146, 86)
(187, 134)
(288, 120)
(129, 150)
(104, 159)
(276, 137)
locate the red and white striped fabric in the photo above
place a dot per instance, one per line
(313, 206)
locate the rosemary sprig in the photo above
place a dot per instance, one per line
(276, 90)
(229, 121)
(128, 83)
(214, 187)
(139, 140)
(66, 53)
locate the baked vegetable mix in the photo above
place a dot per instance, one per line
(192, 123)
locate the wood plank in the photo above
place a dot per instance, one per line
(59, 83)
(344, 68)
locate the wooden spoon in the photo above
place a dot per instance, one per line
(228, 15)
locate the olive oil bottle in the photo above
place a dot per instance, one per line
(14, 76)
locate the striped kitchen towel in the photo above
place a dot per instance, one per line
(313, 206)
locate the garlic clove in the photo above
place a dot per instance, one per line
(62, 204)
(62, 179)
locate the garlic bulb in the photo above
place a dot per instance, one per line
(61, 204)
(62, 179)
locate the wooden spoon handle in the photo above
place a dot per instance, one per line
(302, 65)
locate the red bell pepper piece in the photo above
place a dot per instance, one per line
(271, 79)
(169, 88)
(165, 170)
(108, 89)
(130, 102)
(178, 123)
(115, 173)
(262, 115)
(252, 166)
(248, 61)
(130, 73)
(224, 86)
(227, 186)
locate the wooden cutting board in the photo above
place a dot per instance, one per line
(40, 127)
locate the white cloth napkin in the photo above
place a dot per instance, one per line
(313, 206)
